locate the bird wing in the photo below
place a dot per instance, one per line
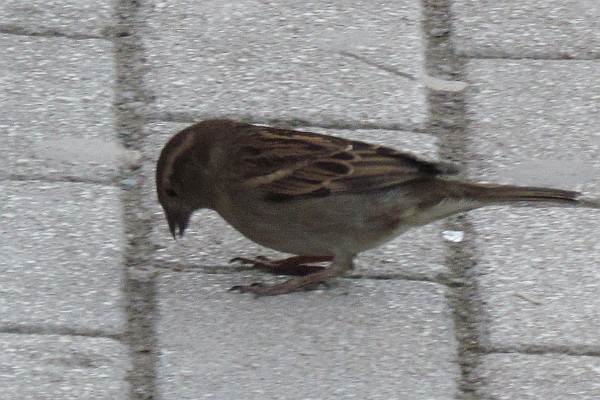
(286, 164)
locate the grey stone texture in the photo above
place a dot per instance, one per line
(62, 265)
(533, 29)
(539, 377)
(287, 60)
(49, 367)
(66, 17)
(56, 97)
(377, 340)
(539, 277)
(533, 119)
(526, 110)
(62, 308)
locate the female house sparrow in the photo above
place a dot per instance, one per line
(316, 196)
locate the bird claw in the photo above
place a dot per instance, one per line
(288, 266)
(308, 281)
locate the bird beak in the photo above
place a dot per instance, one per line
(178, 220)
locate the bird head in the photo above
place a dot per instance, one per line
(182, 176)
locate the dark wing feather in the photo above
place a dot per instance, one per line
(286, 164)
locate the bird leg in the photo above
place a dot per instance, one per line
(297, 265)
(308, 282)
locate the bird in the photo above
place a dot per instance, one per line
(318, 197)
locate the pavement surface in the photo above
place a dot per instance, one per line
(98, 302)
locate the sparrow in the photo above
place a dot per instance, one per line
(318, 197)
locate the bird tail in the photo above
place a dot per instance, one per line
(498, 194)
(442, 198)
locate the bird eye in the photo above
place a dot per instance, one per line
(170, 192)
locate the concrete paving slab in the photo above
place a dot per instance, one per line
(62, 367)
(61, 267)
(56, 97)
(546, 139)
(518, 106)
(539, 377)
(539, 278)
(377, 340)
(211, 241)
(287, 60)
(67, 17)
(538, 29)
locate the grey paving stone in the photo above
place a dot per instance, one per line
(62, 367)
(541, 29)
(539, 278)
(56, 120)
(286, 60)
(380, 340)
(537, 112)
(539, 377)
(71, 17)
(61, 267)
(211, 241)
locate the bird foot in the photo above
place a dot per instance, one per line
(297, 265)
(307, 282)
